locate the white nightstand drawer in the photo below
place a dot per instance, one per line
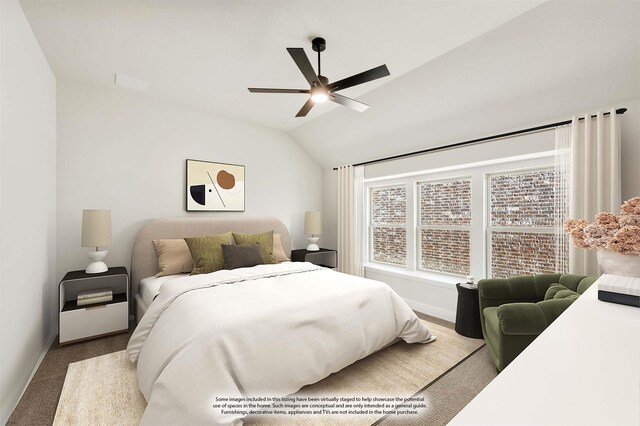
(93, 321)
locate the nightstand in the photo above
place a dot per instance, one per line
(87, 322)
(468, 313)
(323, 257)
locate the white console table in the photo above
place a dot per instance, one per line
(582, 370)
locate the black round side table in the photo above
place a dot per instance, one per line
(468, 313)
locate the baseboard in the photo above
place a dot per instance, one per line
(4, 417)
(434, 311)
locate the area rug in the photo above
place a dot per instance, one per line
(103, 390)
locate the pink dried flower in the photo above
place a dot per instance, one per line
(597, 236)
(629, 220)
(607, 220)
(575, 229)
(626, 240)
(631, 206)
(569, 224)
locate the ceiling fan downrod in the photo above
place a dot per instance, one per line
(319, 44)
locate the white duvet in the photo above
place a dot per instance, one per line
(267, 330)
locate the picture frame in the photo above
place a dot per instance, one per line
(214, 187)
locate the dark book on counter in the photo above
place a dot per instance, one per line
(620, 298)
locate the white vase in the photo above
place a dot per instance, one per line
(614, 263)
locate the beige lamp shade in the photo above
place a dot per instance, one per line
(312, 223)
(96, 228)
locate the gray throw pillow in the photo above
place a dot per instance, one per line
(241, 256)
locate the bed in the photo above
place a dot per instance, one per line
(267, 330)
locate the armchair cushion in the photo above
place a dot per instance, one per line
(558, 291)
(521, 319)
(566, 294)
(553, 308)
(527, 288)
(528, 319)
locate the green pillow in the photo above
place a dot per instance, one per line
(566, 294)
(552, 290)
(206, 252)
(265, 239)
(558, 291)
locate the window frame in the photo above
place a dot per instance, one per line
(371, 226)
(490, 229)
(478, 238)
(419, 227)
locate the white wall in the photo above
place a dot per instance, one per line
(27, 205)
(125, 153)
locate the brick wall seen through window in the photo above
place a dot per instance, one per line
(522, 224)
(388, 219)
(445, 219)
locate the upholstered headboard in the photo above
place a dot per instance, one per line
(144, 260)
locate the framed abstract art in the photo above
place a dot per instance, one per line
(214, 187)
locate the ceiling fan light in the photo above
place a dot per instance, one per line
(319, 95)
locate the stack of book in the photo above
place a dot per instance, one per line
(90, 297)
(618, 289)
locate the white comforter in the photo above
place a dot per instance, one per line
(266, 330)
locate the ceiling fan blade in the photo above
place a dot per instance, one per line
(305, 108)
(348, 102)
(302, 61)
(263, 90)
(363, 77)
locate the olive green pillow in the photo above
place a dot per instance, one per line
(558, 291)
(206, 252)
(552, 290)
(265, 239)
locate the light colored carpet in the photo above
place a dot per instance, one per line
(100, 391)
(103, 390)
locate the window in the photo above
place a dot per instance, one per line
(388, 224)
(444, 227)
(493, 218)
(521, 230)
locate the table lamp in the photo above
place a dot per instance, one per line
(96, 232)
(312, 228)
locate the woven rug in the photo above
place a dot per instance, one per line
(103, 390)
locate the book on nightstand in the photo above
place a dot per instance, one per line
(92, 300)
(90, 294)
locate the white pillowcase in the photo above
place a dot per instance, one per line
(150, 286)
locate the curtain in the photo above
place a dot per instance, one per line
(594, 178)
(561, 198)
(351, 220)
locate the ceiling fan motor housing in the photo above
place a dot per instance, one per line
(318, 44)
(324, 80)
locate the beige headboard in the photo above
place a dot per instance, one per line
(144, 260)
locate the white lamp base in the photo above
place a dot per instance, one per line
(313, 246)
(97, 265)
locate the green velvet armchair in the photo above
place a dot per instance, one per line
(514, 311)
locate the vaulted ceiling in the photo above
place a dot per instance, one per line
(560, 59)
(458, 68)
(205, 54)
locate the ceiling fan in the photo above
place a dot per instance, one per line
(320, 89)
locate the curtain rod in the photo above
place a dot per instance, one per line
(479, 140)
